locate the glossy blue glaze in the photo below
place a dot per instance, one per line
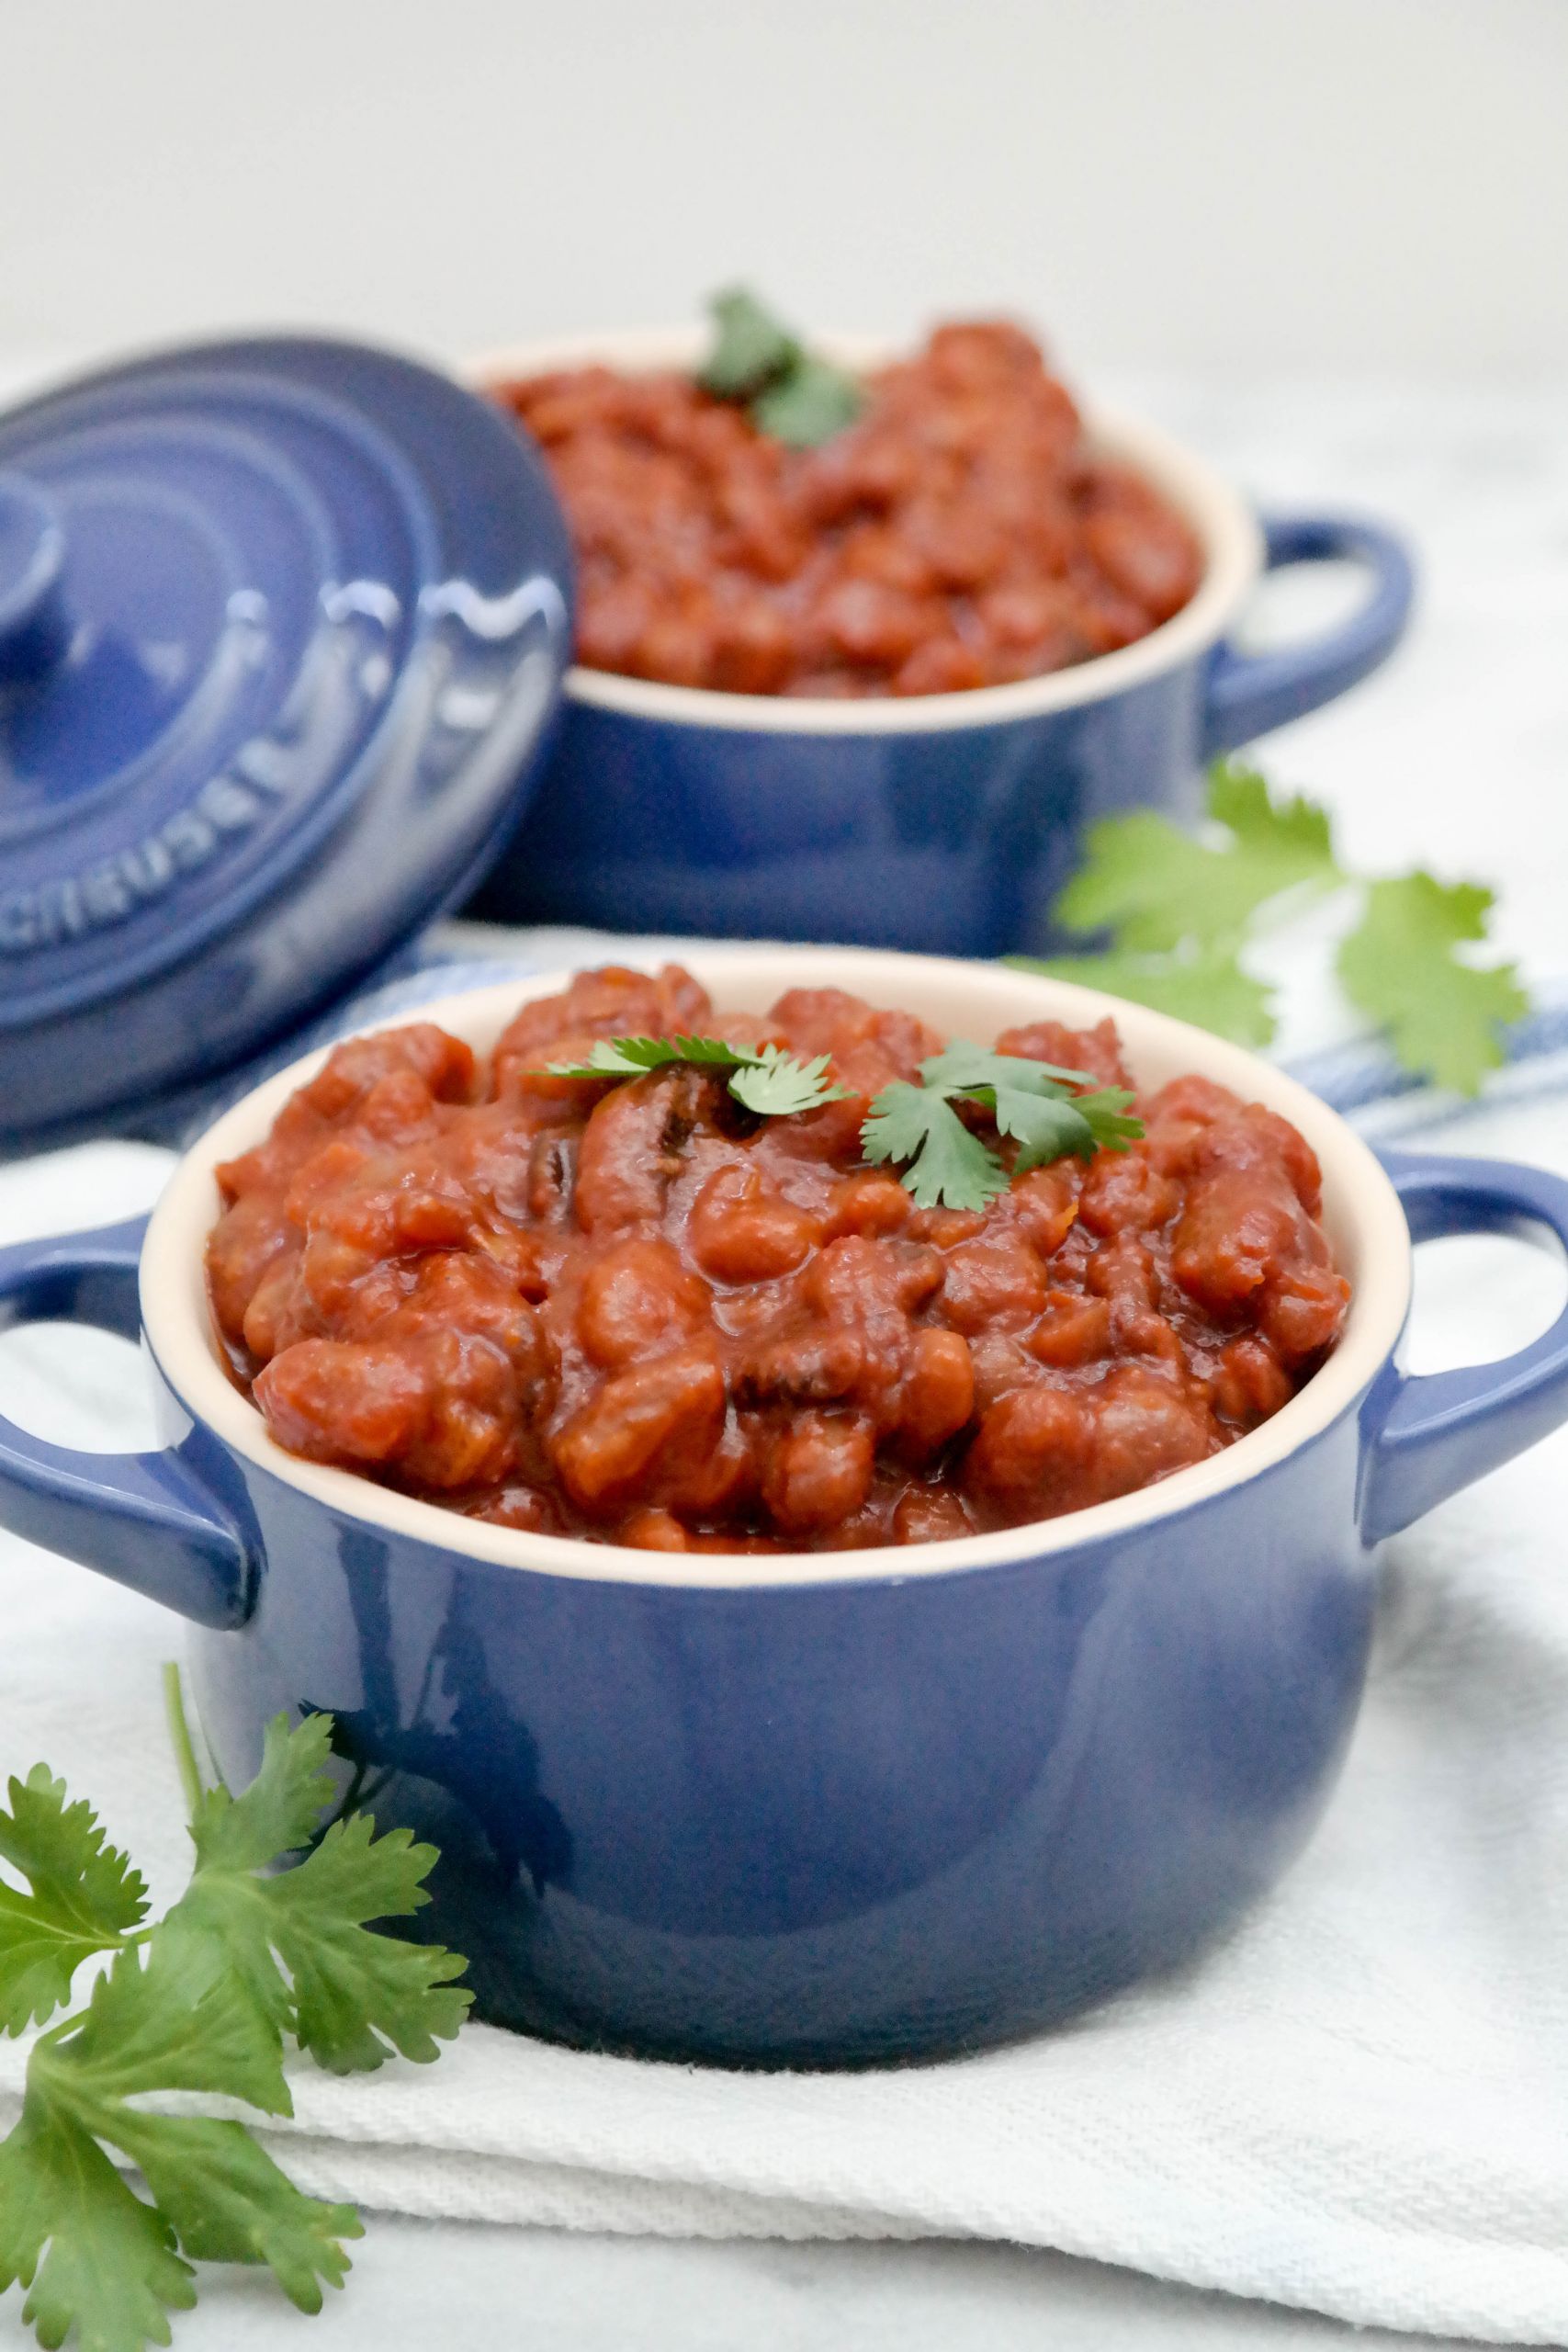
(881, 1817)
(951, 839)
(157, 1522)
(825, 1823)
(32, 558)
(1431, 1436)
(1245, 695)
(300, 644)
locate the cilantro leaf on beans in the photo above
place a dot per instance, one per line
(1051, 1128)
(808, 405)
(767, 1080)
(1048, 1111)
(776, 1085)
(960, 1064)
(792, 394)
(947, 1165)
(1034, 1102)
(749, 349)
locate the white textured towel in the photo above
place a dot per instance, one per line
(1359, 2104)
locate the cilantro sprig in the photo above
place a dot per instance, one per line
(767, 1080)
(1182, 910)
(203, 2001)
(794, 395)
(948, 1165)
(1049, 1112)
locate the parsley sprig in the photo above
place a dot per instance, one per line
(203, 2001)
(1183, 908)
(767, 1080)
(948, 1165)
(789, 392)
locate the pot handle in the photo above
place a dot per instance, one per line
(1248, 694)
(144, 1519)
(1427, 1435)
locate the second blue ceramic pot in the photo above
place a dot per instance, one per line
(945, 823)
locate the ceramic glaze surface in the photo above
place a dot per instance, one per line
(951, 839)
(301, 644)
(951, 842)
(839, 1823)
(32, 556)
(855, 1807)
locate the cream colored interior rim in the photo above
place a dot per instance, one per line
(1362, 1214)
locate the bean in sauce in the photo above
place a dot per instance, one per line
(638, 1314)
(963, 532)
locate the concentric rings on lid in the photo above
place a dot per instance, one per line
(282, 627)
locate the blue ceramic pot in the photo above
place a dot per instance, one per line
(835, 1808)
(945, 823)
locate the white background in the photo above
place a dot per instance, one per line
(1233, 186)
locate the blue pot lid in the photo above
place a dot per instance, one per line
(283, 625)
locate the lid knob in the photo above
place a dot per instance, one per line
(34, 631)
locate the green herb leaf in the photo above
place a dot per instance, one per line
(635, 1057)
(766, 1078)
(808, 404)
(751, 346)
(228, 2202)
(1179, 907)
(947, 1165)
(199, 2004)
(94, 2257)
(280, 1811)
(791, 394)
(167, 2020)
(778, 1086)
(961, 1064)
(1155, 887)
(1399, 965)
(82, 1897)
(168, 2025)
(1053, 1127)
(350, 1997)
(1032, 1102)
(1277, 844)
(1208, 986)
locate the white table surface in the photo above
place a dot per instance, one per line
(435, 2287)
(1457, 754)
